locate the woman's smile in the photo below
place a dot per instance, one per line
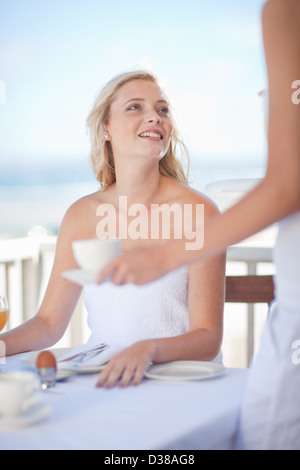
(152, 134)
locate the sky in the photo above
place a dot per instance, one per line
(56, 54)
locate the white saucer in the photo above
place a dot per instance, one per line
(33, 415)
(79, 276)
(182, 371)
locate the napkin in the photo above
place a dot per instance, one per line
(83, 357)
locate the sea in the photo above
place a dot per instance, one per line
(38, 197)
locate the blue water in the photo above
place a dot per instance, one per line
(41, 198)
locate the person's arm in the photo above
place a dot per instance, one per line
(278, 195)
(60, 299)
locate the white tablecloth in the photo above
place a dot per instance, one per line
(155, 415)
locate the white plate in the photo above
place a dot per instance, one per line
(181, 371)
(62, 373)
(81, 370)
(33, 415)
(29, 360)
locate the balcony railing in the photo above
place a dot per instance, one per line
(25, 267)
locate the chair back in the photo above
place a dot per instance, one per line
(249, 289)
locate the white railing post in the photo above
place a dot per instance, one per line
(25, 266)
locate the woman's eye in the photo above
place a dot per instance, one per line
(133, 107)
(164, 110)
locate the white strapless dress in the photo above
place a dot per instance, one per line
(125, 314)
(270, 417)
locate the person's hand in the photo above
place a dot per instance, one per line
(140, 265)
(129, 366)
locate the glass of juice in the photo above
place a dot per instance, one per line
(4, 309)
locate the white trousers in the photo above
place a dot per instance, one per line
(270, 415)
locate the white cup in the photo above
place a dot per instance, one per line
(17, 390)
(94, 254)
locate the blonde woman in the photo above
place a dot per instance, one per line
(271, 411)
(133, 143)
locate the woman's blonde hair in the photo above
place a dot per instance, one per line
(101, 154)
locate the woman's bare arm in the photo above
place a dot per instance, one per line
(61, 296)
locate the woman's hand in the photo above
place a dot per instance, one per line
(129, 366)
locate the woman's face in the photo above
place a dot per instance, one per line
(139, 124)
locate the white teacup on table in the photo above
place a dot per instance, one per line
(17, 392)
(92, 255)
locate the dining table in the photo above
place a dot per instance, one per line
(156, 415)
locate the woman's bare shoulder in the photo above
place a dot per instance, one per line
(80, 217)
(86, 204)
(188, 195)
